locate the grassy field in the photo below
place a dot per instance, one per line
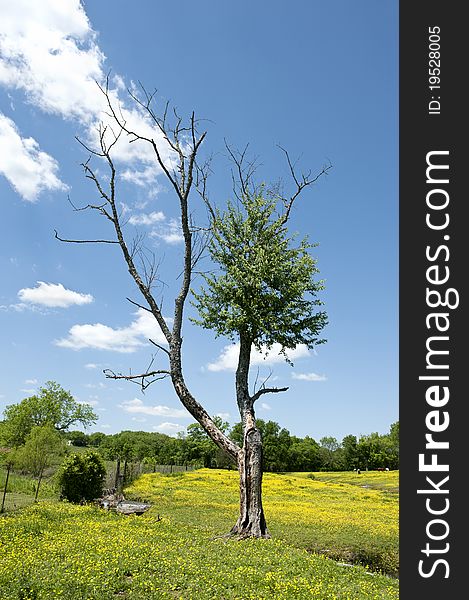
(378, 480)
(56, 550)
(22, 489)
(343, 521)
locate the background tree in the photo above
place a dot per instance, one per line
(350, 452)
(78, 438)
(51, 406)
(304, 455)
(391, 442)
(43, 444)
(81, 476)
(200, 447)
(293, 318)
(95, 438)
(371, 451)
(328, 449)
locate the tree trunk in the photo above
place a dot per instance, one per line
(38, 484)
(251, 521)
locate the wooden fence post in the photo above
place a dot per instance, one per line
(6, 485)
(118, 472)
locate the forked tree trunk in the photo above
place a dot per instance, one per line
(251, 521)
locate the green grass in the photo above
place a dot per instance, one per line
(340, 520)
(50, 551)
(379, 480)
(22, 489)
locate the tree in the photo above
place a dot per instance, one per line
(95, 439)
(265, 294)
(42, 445)
(78, 438)
(201, 448)
(371, 451)
(81, 477)
(349, 445)
(304, 455)
(52, 405)
(391, 441)
(329, 447)
(293, 320)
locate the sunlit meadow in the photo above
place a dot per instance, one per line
(176, 550)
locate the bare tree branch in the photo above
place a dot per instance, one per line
(56, 235)
(159, 347)
(144, 380)
(245, 171)
(262, 391)
(139, 305)
(111, 375)
(300, 183)
(184, 142)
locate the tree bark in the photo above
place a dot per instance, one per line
(251, 521)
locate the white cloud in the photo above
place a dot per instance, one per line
(266, 406)
(29, 170)
(169, 428)
(143, 177)
(50, 51)
(91, 366)
(136, 406)
(228, 359)
(309, 377)
(53, 295)
(170, 232)
(147, 219)
(224, 415)
(122, 339)
(30, 381)
(139, 419)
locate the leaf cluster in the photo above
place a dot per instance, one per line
(52, 405)
(265, 287)
(81, 477)
(42, 445)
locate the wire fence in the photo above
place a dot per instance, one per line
(18, 490)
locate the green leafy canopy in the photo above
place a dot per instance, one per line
(265, 288)
(52, 405)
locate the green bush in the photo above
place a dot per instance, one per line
(81, 477)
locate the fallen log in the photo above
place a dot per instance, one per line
(131, 508)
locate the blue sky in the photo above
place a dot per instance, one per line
(318, 78)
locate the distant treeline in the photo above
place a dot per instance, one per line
(281, 450)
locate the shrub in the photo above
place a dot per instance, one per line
(81, 477)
